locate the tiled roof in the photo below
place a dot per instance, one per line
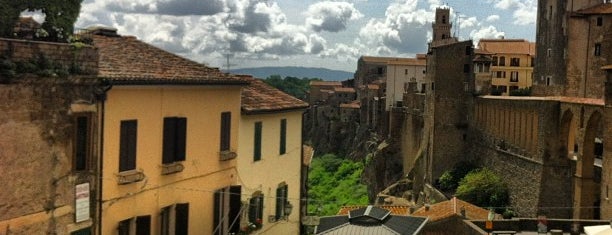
(395, 210)
(352, 105)
(447, 209)
(604, 8)
(325, 83)
(408, 61)
(566, 99)
(127, 60)
(344, 89)
(373, 87)
(507, 46)
(259, 97)
(370, 223)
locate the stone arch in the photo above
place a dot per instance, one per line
(588, 177)
(567, 135)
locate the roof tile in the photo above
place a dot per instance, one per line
(447, 209)
(507, 46)
(260, 97)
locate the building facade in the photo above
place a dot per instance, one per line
(512, 63)
(270, 159)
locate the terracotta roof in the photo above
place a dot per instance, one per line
(127, 60)
(344, 89)
(447, 209)
(507, 46)
(408, 61)
(421, 56)
(352, 105)
(373, 86)
(607, 67)
(604, 8)
(325, 83)
(259, 97)
(566, 99)
(395, 210)
(27, 23)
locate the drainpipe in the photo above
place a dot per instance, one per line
(101, 98)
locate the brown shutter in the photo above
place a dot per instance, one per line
(82, 143)
(143, 225)
(234, 208)
(169, 144)
(182, 219)
(283, 137)
(181, 139)
(226, 127)
(127, 146)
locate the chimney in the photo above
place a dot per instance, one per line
(103, 31)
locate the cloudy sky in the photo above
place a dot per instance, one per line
(330, 34)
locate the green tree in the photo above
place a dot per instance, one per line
(291, 85)
(484, 188)
(334, 182)
(449, 181)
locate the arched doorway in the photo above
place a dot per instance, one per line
(588, 173)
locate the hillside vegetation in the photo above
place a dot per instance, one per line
(334, 182)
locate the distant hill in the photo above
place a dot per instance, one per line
(298, 72)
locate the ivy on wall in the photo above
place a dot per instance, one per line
(60, 16)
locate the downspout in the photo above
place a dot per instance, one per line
(101, 97)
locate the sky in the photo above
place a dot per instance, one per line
(329, 34)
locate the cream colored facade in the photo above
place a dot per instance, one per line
(512, 63)
(399, 73)
(265, 175)
(203, 171)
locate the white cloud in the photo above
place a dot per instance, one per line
(485, 32)
(524, 11)
(468, 22)
(492, 18)
(331, 16)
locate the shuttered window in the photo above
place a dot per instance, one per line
(174, 140)
(227, 210)
(257, 142)
(82, 143)
(127, 145)
(165, 220)
(143, 225)
(283, 137)
(226, 127)
(182, 219)
(281, 200)
(256, 208)
(124, 227)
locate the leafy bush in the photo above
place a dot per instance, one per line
(291, 85)
(449, 181)
(521, 92)
(484, 188)
(334, 182)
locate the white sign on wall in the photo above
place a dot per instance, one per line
(81, 202)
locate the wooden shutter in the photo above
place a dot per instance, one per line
(181, 139)
(143, 225)
(226, 127)
(281, 200)
(124, 227)
(182, 219)
(283, 137)
(165, 220)
(234, 208)
(217, 212)
(81, 143)
(127, 146)
(169, 144)
(256, 208)
(257, 143)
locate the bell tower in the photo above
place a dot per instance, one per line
(442, 26)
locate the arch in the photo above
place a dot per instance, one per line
(588, 179)
(567, 135)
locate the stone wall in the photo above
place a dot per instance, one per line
(67, 55)
(37, 122)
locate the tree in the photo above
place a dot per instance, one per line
(60, 16)
(291, 85)
(484, 188)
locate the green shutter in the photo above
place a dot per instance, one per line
(257, 143)
(283, 137)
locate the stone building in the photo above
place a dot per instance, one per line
(49, 145)
(400, 72)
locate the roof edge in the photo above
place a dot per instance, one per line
(270, 111)
(180, 82)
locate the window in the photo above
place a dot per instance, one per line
(143, 225)
(175, 135)
(226, 218)
(127, 145)
(85, 231)
(380, 70)
(548, 80)
(597, 49)
(443, 19)
(515, 62)
(165, 220)
(549, 52)
(433, 87)
(466, 68)
(494, 60)
(124, 227)
(256, 208)
(487, 67)
(599, 21)
(281, 200)
(502, 61)
(514, 76)
(423, 88)
(405, 71)
(257, 142)
(226, 127)
(500, 74)
(82, 144)
(283, 137)
(181, 225)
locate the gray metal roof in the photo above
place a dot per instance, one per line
(370, 221)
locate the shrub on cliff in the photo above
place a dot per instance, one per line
(484, 188)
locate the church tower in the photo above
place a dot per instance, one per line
(442, 26)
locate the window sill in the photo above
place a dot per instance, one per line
(131, 176)
(172, 168)
(227, 155)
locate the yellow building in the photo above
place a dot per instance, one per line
(170, 136)
(511, 65)
(270, 159)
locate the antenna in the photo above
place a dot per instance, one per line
(228, 64)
